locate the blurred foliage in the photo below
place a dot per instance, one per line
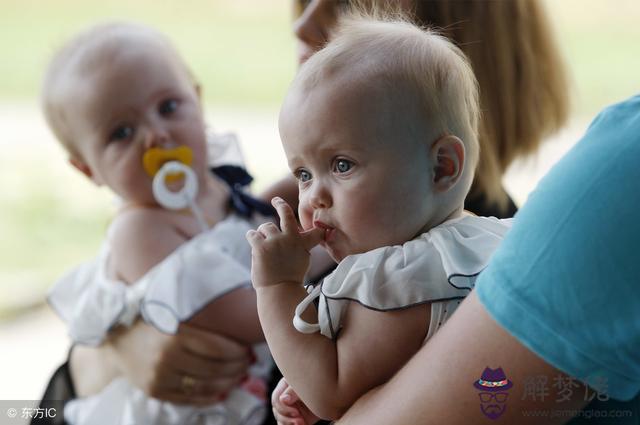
(242, 51)
(599, 39)
(51, 218)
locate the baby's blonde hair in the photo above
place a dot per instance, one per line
(83, 55)
(522, 77)
(399, 56)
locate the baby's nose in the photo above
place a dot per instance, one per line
(320, 197)
(157, 137)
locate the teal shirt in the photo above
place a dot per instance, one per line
(566, 280)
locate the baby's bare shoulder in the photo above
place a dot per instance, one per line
(140, 238)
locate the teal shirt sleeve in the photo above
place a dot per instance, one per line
(566, 279)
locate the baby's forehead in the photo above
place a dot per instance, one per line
(372, 81)
(88, 66)
(351, 110)
(360, 96)
(109, 48)
(117, 58)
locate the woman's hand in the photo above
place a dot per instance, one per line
(288, 409)
(191, 367)
(281, 255)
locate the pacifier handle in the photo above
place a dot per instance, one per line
(182, 198)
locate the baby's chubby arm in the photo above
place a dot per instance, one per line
(328, 375)
(156, 362)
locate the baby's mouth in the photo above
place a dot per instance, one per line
(328, 230)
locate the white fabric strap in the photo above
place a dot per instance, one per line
(133, 296)
(298, 323)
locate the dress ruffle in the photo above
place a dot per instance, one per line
(224, 149)
(202, 269)
(240, 407)
(439, 265)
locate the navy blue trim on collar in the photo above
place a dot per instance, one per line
(243, 204)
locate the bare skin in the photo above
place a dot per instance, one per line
(437, 382)
(141, 100)
(329, 375)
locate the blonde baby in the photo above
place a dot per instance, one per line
(126, 108)
(379, 128)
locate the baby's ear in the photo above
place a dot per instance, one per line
(81, 166)
(447, 154)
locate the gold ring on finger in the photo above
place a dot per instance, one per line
(188, 384)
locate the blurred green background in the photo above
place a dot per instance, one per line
(243, 53)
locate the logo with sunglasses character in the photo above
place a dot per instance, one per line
(493, 386)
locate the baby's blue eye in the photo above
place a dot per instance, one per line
(123, 132)
(342, 165)
(168, 106)
(303, 175)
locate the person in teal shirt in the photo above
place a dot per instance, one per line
(553, 324)
(566, 281)
(578, 241)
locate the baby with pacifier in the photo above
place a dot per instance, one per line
(127, 110)
(379, 128)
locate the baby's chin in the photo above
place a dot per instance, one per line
(338, 254)
(333, 253)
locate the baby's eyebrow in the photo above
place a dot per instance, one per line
(343, 147)
(292, 162)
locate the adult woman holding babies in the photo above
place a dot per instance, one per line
(535, 327)
(523, 98)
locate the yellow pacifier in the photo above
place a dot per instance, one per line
(167, 166)
(154, 158)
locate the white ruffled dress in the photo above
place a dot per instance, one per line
(201, 270)
(438, 267)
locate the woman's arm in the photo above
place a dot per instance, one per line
(437, 384)
(157, 363)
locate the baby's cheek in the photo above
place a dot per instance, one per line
(305, 216)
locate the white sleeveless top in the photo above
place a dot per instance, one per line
(438, 267)
(202, 269)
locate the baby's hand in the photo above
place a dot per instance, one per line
(288, 409)
(281, 255)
